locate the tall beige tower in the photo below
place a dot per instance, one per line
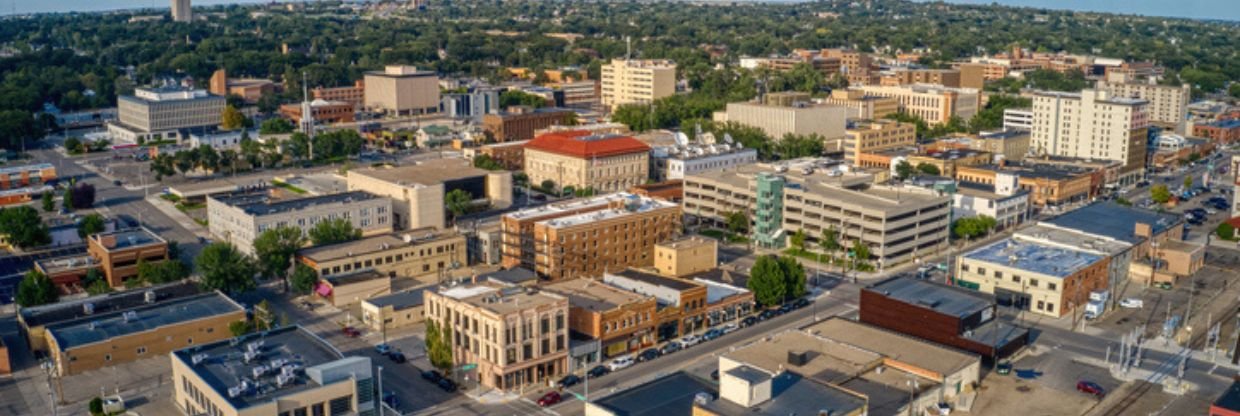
(181, 11)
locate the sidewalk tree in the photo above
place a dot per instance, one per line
(274, 250)
(66, 200)
(334, 231)
(457, 201)
(1188, 182)
(36, 289)
(928, 169)
(207, 158)
(438, 347)
(232, 119)
(163, 165)
(24, 227)
(861, 254)
(830, 241)
(797, 240)
(737, 222)
(223, 267)
(1160, 194)
(1226, 231)
(767, 281)
(83, 195)
(72, 144)
(91, 224)
(49, 202)
(794, 277)
(904, 170)
(303, 279)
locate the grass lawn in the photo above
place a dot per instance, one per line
(188, 206)
(201, 221)
(171, 198)
(290, 188)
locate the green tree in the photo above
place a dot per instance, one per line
(861, 254)
(91, 224)
(224, 268)
(95, 407)
(486, 162)
(49, 201)
(232, 118)
(334, 231)
(972, 227)
(517, 97)
(928, 169)
(304, 278)
(72, 145)
(1188, 182)
(737, 222)
(98, 287)
(1160, 194)
(904, 170)
(829, 242)
(275, 126)
(274, 249)
(66, 199)
(548, 185)
(24, 227)
(458, 202)
(438, 346)
(1123, 201)
(164, 271)
(797, 239)
(239, 328)
(767, 281)
(36, 289)
(1226, 231)
(794, 277)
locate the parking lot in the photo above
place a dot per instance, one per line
(1222, 264)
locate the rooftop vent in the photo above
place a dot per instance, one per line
(130, 316)
(149, 296)
(88, 308)
(702, 398)
(798, 358)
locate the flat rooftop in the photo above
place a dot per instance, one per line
(656, 280)
(669, 395)
(101, 304)
(594, 295)
(427, 173)
(723, 276)
(689, 242)
(500, 299)
(35, 168)
(1114, 221)
(515, 275)
(375, 244)
(400, 301)
(1072, 239)
(996, 333)
(224, 366)
(1034, 257)
(791, 394)
(260, 205)
(850, 189)
(572, 205)
(101, 327)
(633, 204)
(357, 277)
(127, 238)
(926, 355)
(947, 300)
(829, 361)
(62, 264)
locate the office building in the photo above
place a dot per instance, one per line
(945, 77)
(355, 95)
(182, 11)
(392, 311)
(934, 104)
(877, 136)
(249, 89)
(947, 315)
(623, 322)
(1018, 119)
(1048, 185)
(521, 123)
(686, 256)
(858, 67)
(626, 81)
(517, 336)
(676, 162)
(118, 252)
(240, 218)
(583, 94)
(1006, 144)
(35, 320)
(1167, 104)
(344, 290)
(578, 159)
(165, 113)
(587, 237)
(401, 90)
(1040, 278)
(321, 111)
(1091, 125)
(423, 254)
(418, 190)
(897, 223)
(106, 339)
(470, 105)
(284, 371)
(802, 119)
(861, 105)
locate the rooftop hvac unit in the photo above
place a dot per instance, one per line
(130, 316)
(703, 398)
(798, 358)
(149, 296)
(259, 371)
(250, 356)
(234, 391)
(283, 379)
(88, 308)
(198, 358)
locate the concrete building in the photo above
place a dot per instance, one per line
(1018, 119)
(39, 174)
(676, 162)
(520, 123)
(587, 237)
(322, 111)
(103, 340)
(947, 315)
(1168, 104)
(945, 77)
(240, 218)
(423, 254)
(35, 320)
(897, 223)
(470, 105)
(626, 81)
(118, 252)
(401, 90)
(622, 321)
(861, 105)
(418, 190)
(604, 163)
(686, 256)
(518, 337)
(1092, 125)
(1004, 201)
(396, 310)
(284, 371)
(165, 113)
(934, 104)
(1039, 278)
(827, 121)
(877, 136)
(182, 11)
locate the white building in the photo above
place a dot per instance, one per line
(221, 140)
(685, 158)
(1091, 125)
(1018, 119)
(1004, 200)
(240, 218)
(168, 112)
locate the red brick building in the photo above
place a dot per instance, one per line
(1224, 131)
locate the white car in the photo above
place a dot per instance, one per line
(690, 340)
(620, 363)
(727, 329)
(1132, 303)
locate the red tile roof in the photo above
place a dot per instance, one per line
(570, 143)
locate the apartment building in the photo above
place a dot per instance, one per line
(860, 68)
(13, 177)
(106, 339)
(945, 77)
(417, 191)
(517, 336)
(284, 371)
(117, 253)
(1167, 104)
(897, 223)
(401, 90)
(240, 218)
(802, 119)
(622, 321)
(877, 136)
(627, 81)
(165, 113)
(605, 163)
(1018, 119)
(355, 95)
(587, 237)
(1036, 277)
(423, 254)
(861, 105)
(520, 123)
(1091, 125)
(934, 104)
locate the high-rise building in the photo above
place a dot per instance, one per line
(626, 81)
(1091, 125)
(934, 104)
(877, 136)
(162, 113)
(182, 11)
(402, 90)
(1168, 104)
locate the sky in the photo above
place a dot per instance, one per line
(1196, 9)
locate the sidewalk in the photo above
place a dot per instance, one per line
(176, 215)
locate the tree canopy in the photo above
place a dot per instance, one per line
(223, 267)
(775, 280)
(91, 224)
(274, 249)
(36, 289)
(334, 231)
(24, 227)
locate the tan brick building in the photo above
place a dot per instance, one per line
(417, 191)
(1042, 279)
(863, 106)
(686, 256)
(517, 336)
(520, 123)
(355, 95)
(397, 310)
(605, 163)
(622, 321)
(117, 253)
(1046, 186)
(934, 104)
(877, 136)
(401, 90)
(324, 112)
(626, 81)
(510, 155)
(424, 254)
(944, 77)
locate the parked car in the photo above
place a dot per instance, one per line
(690, 340)
(351, 332)
(648, 355)
(397, 357)
(1090, 388)
(671, 347)
(598, 371)
(767, 314)
(383, 349)
(749, 320)
(785, 308)
(1004, 368)
(431, 376)
(711, 334)
(549, 399)
(447, 385)
(620, 363)
(1132, 303)
(728, 328)
(568, 381)
(800, 303)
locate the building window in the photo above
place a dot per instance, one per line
(1033, 282)
(141, 350)
(107, 357)
(981, 271)
(1050, 286)
(1041, 305)
(1050, 307)
(998, 274)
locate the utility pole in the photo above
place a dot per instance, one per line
(381, 402)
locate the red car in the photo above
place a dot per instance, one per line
(549, 399)
(351, 332)
(1090, 388)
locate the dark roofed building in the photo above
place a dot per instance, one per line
(34, 320)
(939, 313)
(672, 395)
(395, 310)
(1115, 221)
(1228, 404)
